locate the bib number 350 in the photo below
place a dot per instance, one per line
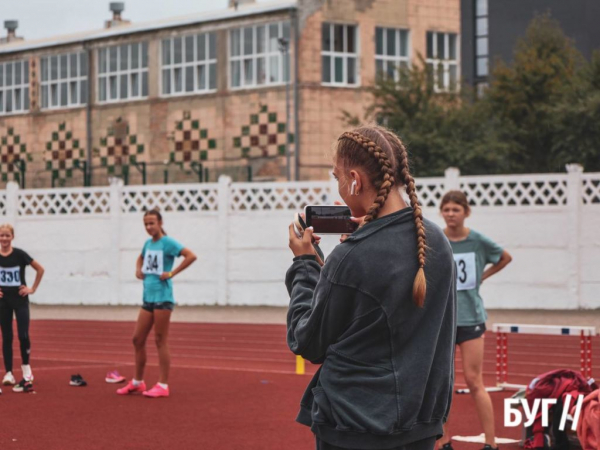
(466, 274)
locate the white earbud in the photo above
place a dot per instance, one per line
(353, 188)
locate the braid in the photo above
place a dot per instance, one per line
(387, 179)
(420, 285)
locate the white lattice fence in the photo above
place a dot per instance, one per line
(3, 203)
(278, 196)
(170, 198)
(44, 202)
(591, 189)
(430, 191)
(516, 190)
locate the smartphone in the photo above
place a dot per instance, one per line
(329, 219)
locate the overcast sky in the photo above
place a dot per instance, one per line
(45, 18)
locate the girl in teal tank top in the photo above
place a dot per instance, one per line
(155, 267)
(472, 253)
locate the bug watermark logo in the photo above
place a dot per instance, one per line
(513, 417)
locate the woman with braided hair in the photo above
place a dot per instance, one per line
(380, 314)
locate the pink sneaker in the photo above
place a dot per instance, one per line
(132, 389)
(157, 391)
(114, 377)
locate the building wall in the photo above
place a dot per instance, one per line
(229, 130)
(322, 107)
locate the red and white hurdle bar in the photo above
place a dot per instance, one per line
(502, 331)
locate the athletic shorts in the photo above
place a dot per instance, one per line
(464, 334)
(150, 307)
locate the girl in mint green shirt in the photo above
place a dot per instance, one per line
(155, 267)
(472, 253)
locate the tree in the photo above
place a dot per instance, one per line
(524, 95)
(577, 134)
(540, 113)
(439, 129)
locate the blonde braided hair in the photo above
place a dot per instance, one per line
(387, 180)
(420, 285)
(392, 172)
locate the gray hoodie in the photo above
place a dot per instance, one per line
(387, 366)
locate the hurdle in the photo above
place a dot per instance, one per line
(502, 331)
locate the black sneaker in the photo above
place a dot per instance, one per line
(77, 380)
(489, 447)
(447, 446)
(24, 386)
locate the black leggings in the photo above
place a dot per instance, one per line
(21, 310)
(423, 444)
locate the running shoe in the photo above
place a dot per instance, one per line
(77, 380)
(447, 446)
(9, 379)
(157, 391)
(114, 377)
(25, 386)
(132, 389)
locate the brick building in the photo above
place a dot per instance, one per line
(201, 95)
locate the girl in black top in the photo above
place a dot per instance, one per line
(14, 299)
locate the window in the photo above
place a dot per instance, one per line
(189, 64)
(123, 72)
(14, 87)
(481, 39)
(255, 57)
(442, 60)
(391, 52)
(63, 80)
(339, 55)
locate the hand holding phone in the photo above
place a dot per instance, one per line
(298, 227)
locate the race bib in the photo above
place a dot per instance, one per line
(10, 276)
(153, 262)
(466, 273)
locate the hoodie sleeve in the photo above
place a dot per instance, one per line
(319, 310)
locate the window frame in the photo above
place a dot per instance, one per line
(398, 59)
(254, 56)
(23, 86)
(140, 71)
(446, 63)
(485, 57)
(345, 55)
(79, 79)
(207, 62)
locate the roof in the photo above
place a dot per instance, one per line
(127, 29)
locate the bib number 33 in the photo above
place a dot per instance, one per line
(466, 275)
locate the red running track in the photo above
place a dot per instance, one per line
(233, 386)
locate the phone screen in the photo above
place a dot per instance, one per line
(330, 219)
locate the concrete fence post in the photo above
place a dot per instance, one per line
(116, 184)
(223, 240)
(12, 203)
(574, 202)
(452, 179)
